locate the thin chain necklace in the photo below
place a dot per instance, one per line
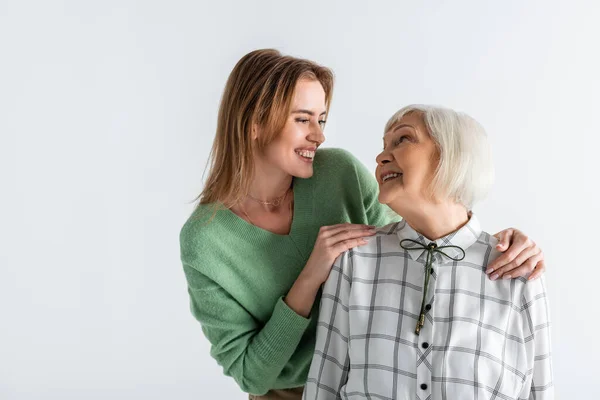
(290, 210)
(275, 202)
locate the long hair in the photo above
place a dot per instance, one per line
(259, 91)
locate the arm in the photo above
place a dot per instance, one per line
(253, 354)
(536, 329)
(331, 363)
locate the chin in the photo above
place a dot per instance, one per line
(394, 199)
(383, 198)
(304, 174)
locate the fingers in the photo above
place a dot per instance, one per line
(504, 260)
(335, 239)
(332, 230)
(513, 270)
(519, 243)
(348, 244)
(527, 254)
(351, 234)
(540, 268)
(522, 258)
(504, 239)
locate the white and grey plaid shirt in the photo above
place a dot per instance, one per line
(482, 339)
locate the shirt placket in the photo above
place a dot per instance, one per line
(424, 340)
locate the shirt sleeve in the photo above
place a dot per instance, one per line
(330, 365)
(536, 328)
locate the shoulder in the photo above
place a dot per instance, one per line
(339, 162)
(534, 292)
(199, 224)
(335, 156)
(384, 240)
(486, 243)
(389, 230)
(198, 233)
(334, 166)
(530, 291)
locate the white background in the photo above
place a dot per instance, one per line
(107, 113)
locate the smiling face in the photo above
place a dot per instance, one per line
(407, 164)
(293, 150)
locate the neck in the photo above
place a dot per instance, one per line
(269, 183)
(435, 221)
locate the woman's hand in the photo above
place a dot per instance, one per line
(521, 257)
(331, 242)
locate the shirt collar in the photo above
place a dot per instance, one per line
(463, 238)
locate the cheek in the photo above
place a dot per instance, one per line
(275, 152)
(421, 163)
(434, 158)
(283, 142)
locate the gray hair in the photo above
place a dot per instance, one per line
(465, 172)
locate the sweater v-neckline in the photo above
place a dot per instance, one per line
(303, 206)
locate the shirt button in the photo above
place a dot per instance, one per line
(425, 345)
(424, 386)
(428, 307)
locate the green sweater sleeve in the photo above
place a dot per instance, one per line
(251, 352)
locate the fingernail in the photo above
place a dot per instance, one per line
(489, 270)
(506, 277)
(494, 277)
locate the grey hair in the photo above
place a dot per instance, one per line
(465, 172)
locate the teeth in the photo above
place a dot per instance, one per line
(306, 153)
(389, 176)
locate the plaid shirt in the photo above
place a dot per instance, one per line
(482, 339)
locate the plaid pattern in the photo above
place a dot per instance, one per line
(482, 339)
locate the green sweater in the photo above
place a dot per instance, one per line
(238, 273)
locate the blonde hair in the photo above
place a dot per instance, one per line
(465, 171)
(259, 90)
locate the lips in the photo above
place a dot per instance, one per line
(306, 154)
(387, 176)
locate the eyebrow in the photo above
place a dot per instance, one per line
(396, 128)
(403, 126)
(307, 112)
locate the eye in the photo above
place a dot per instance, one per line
(400, 140)
(322, 123)
(303, 120)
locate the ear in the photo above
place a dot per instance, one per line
(254, 134)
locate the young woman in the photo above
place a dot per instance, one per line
(411, 315)
(275, 213)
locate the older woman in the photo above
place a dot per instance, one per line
(411, 314)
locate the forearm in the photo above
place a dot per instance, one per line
(302, 295)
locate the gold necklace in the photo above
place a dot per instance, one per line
(276, 202)
(291, 211)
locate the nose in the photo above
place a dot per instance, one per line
(384, 157)
(316, 135)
